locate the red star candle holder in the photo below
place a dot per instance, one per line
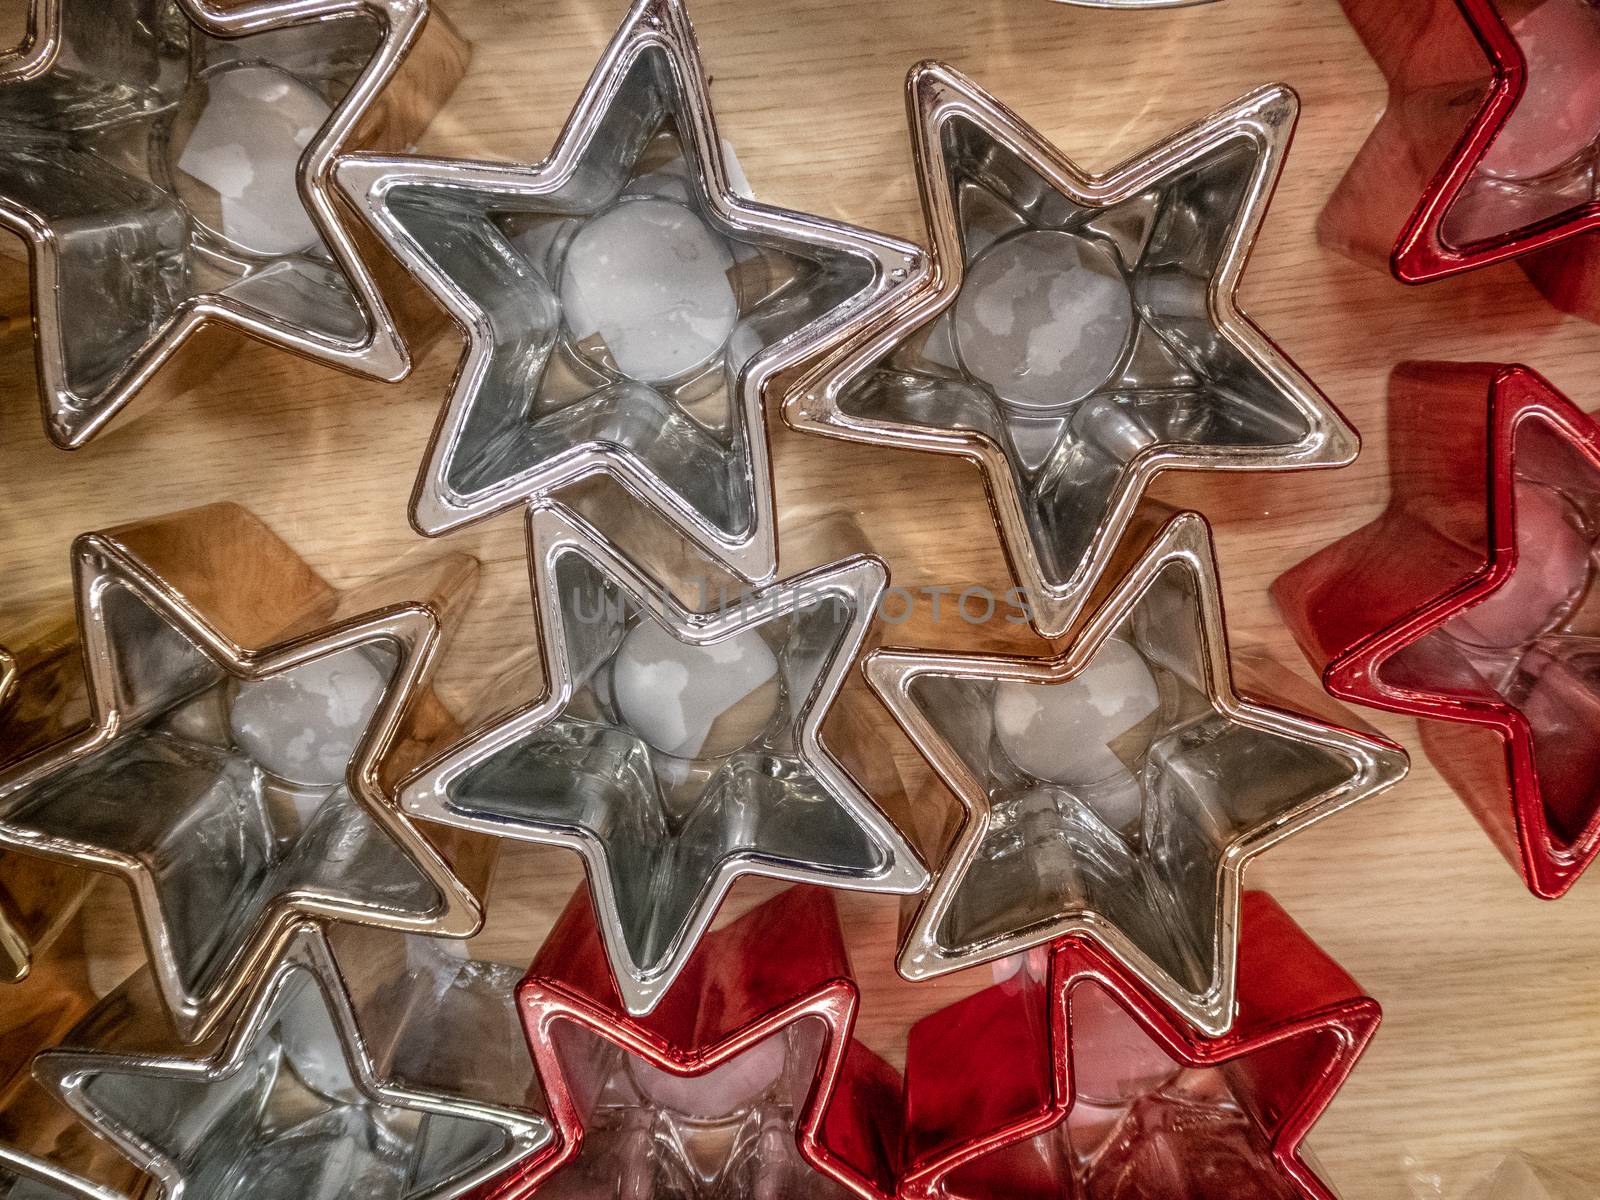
(744, 1081)
(1489, 147)
(1083, 1083)
(1074, 1078)
(1469, 604)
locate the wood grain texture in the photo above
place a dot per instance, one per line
(1491, 1039)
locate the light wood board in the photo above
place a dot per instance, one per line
(1491, 1038)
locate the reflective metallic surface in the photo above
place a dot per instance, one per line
(1111, 297)
(1140, 834)
(665, 826)
(624, 304)
(744, 1083)
(1114, 1095)
(301, 1098)
(142, 224)
(180, 616)
(25, 1175)
(1471, 604)
(40, 695)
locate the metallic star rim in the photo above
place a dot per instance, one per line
(415, 629)
(937, 94)
(71, 1185)
(381, 354)
(554, 532)
(1185, 541)
(652, 27)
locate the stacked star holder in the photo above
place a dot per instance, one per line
(302, 826)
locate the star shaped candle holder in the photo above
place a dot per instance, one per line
(1085, 1082)
(41, 686)
(245, 721)
(1489, 148)
(744, 1082)
(624, 305)
(1076, 334)
(1120, 789)
(675, 750)
(322, 1083)
(1470, 604)
(169, 164)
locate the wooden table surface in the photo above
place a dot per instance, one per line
(1491, 1037)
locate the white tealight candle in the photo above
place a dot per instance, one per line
(650, 278)
(1074, 733)
(303, 725)
(1558, 115)
(688, 700)
(1044, 318)
(245, 146)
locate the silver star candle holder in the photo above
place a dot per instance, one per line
(1117, 791)
(1077, 334)
(675, 750)
(169, 164)
(244, 717)
(625, 305)
(322, 1083)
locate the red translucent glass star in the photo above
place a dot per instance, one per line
(1489, 147)
(1079, 1081)
(745, 1081)
(1470, 604)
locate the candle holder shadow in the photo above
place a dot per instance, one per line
(256, 714)
(1488, 150)
(126, 122)
(624, 305)
(676, 750)
(1077, 334)
(330, 1070)
(1119, 790)
(1470, 605)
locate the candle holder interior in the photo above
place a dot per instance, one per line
(719, 1134)
(240, 786)
(166, 162)
(1534, 642)
(1082, 338)
(628, 308)
(301, 1101)
(1544, 162)
(1117, 790)
(678, 754)
(1141, 1124)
